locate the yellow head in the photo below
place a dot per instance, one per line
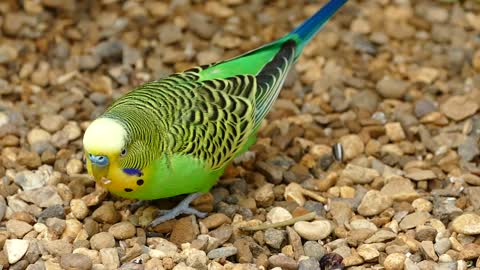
(104, 143)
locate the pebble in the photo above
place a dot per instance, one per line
(315, 230)
(368, 252)
(459, 107)
(44, 196)
(74, 166)
(222, 252)
(106, 213)
(399, 189)
(359, 174)
(413, 220)
(468, 223)
(278, 214)
(309, 264)
(122, 230)
(353, 146)
(244, 254)
(57, 247)
(102, 240)
(18, 228)
(196, 258)
(162, 248)
(215, 220)
(275, 238)
(185, 230)
(15, 249)
(314, 249)
(52, 123)
(109, 258)
(8, 53)
(373, 203)
(442, 245)
(29, 180)
(422, 204)
(420, 175)
(75, 261)
(79, 208)
(282, 261)
(264, 196)
(428, 250)
(394, 261)
(389, 87)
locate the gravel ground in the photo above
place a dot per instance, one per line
(396, 82)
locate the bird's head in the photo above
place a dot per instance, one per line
(104, 142)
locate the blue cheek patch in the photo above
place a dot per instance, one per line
(133, 171)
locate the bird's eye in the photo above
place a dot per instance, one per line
(124, 152)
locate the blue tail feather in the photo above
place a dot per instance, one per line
(312, 25)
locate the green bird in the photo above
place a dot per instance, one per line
(177, 135)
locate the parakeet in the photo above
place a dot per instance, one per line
(176, 135)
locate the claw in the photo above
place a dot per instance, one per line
(182, 208)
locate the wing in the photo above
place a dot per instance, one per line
(217, 121)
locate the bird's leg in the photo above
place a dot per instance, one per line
(136, 205)
(182, 208)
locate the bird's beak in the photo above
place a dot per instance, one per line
(99, 166)
(99, 172)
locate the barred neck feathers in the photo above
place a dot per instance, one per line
(104, 136)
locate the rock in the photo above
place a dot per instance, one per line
(185, 230)
(196, 258)
(315, 230)
(353, 146)
(74, 166)
(283, 262)
(359, 175)
(244, 254)
(442, 245)
(56, 226)
(215, 220)
(271, 171)
(169, 33)
(8, 53)
(79, 208)
(425, 233)
(75, 261)
(428, 250)
(278, 214)
(314, 249)
(264, 196)
(275, 238)
(399, 189)
(395, 131)
(52, 123)
(106, 213)
(309, 264)
(422, 205)
(459, 107)
(413, 220)
(102, 240)
(468, 223)
(109, 257)
(222, 252)
(368, 252)
(31, 180)
(394, 261)
(122, 230)
(44, 197)
(53, 211)
(57, 247)
(469, 149)
(18, 228)
(389, 87)
(381, 236)
(89, 62)
(471, 179)
(421, 175)
(15, 249)
(373, 203)
(37, 135)
(162, 248)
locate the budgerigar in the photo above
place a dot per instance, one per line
(176, 135)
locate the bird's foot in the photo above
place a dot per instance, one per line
(182, 208)
(136, 205)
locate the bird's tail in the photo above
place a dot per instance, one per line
(307, 30)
